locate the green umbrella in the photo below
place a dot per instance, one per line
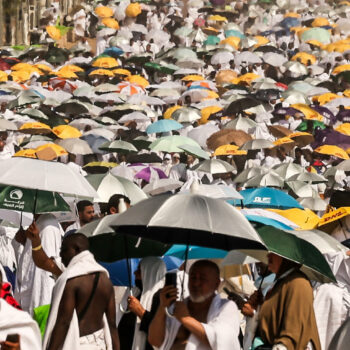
(212, 40)
(35, 113)
(31, 201)
(118, 146)
(296, 249)
(315, 123)
(320, 34)
(344, 76)
(172, 143)
(195, 151)
(159, 68)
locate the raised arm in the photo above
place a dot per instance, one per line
(40, 258)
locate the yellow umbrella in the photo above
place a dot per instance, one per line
(332, 150)
(105, 62)
(308, 111)
(207, 112)
(28, 153)
(320, 22)
(315, 43)
(334, 215)
(304, 58)
(217, 18)
(102, 72)
(346, 3)
(168, 113)
(340, 69)
(338, 47)
(22, 66)
(43, 67)
(133, 10)
(299, 30)
(110, 23)
(35, 128)
(248, 77)
(325, 98)
(137, 79)
(231, 40)
(346, 93)
(3, 76)
(306, 219)
(261, 40)
(344, 128)
(121, 71)
(71, 68)
(211, 95)
(57, 149)
(66, 132)
(229, 150)
(292, 14)
(66, 74)
(53, 32)
(20, 76)
(103, 11)
(193, 77)
(283, 140)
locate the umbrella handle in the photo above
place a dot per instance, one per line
(168, 313)
(121, 308)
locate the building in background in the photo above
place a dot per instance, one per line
(20, 18)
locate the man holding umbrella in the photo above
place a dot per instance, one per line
(203, 322)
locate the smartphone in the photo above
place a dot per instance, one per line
(170, 279)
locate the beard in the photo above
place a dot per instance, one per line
(200, 298)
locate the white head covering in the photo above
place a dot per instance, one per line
(153, 272)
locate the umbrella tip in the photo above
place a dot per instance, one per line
(194, 187)
(121, 206)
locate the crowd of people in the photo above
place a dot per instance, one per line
(242, 101)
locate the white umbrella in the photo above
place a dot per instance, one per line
(107, 134)
(134, 116)
(274, 59)
(161, 186)
(257, 144)
(270, 179)
(287, 170)
(44, 175)
(241, 123)
(222, 57)
(216, 191)
(296, 67)
(247, 56)
(75, 146)
(98, 227)
(316, 204)
(186, 115)
(214, 166)
(125, 171)
(6, 125)
(302, 189)
(308, 177)
(235, 257)
(249, 173)
(107, 184)
(201, 133)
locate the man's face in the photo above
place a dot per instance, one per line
(67, 253)
(87, 214)
(202, 283)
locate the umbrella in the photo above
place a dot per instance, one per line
(66, 132)
(107, 184)
(171, 143)
(186, 115)
(313, 203)
(257, 144)
(214, 166)
(274, 59)
(98, 167)
(161, 186)
(143, 158)
(44, 175)
(302, 189)
(286, 170)
(215, 191)
(195, 151)
(6, 125)
(308, 177)
(306, 219)
(95, 142)
(150, 174)
(266, 197)
(75, 146)
(227, 136)
(35, 128)
(195, 252)
(118, 146)
(222, 57)
(199, 220)
(270, 179)
(31, 201)
(296, 67)
(227, 150)
(301, 138)
(332, 151)
(163, 125)
(320, 34)
(72, 107)
(240, 105)
(296, 249)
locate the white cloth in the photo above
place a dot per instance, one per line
(34, 285)
(82, 264)
(222, 328)
(75, 226)
(153, 272)
(13, 321)
(94, 341)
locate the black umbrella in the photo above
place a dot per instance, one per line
(143, 158)
(268, 48)
(240, 105)
(72, 108)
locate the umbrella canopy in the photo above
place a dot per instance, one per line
(215, 191)
(194, 151)
(118, 146)
(172, 143)
(296, 249)
(44, 175)
(257, 144)
(266, 197)
(163, 125)
(107, 184)
(195, 252)
(313, 203)
(270, 179)
(199, 220)
(308, 177)
(332, 151)
(150, 174)
(287, 170)
(214, 166)
(302, 189)
(227, 136)
(186, 115)
(161, 186)
(75, 146)
(22, 199)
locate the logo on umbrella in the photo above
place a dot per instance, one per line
(16, 194)
(265, 200)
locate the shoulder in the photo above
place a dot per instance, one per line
(297, 282)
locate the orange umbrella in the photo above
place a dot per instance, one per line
(28, 153)
(3, 76)
(103, 11)
(53, 32)
(193, 78)
(344, 128)
(121, 71)
(110, 23)
(105, 62)
(325, 98)
(332, 151)
(207, 112)
(66, 132)
(35, 128)
(231, 40)
(102, 72)
(57, 149)
(304, 58)
(229, 150)
(133, 10)
(137, 79)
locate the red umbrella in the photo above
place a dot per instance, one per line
(62, 84)
(281, 85)
(4, 65)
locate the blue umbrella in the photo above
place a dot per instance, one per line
(235, 33)
(95, 141)
(113, 51)
(267, 197)
(290, 22)
(267, 221)
(195, 252)
(163, 125)
(118, 272)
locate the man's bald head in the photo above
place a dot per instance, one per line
(73, 245)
